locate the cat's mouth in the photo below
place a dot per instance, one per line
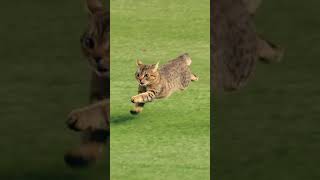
(143, 84)
(100, 71)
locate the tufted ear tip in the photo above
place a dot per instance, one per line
(138, 62)
(156, 66)
(94, 5)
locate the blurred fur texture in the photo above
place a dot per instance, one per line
(93, 120)
(157, 83)
(235, 44)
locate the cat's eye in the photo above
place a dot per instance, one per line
(146, 75)
(88, 42)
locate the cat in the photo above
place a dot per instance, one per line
(235, 44)
(158, 83)
(93, 120)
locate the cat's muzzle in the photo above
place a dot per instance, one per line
(102, 72)
(102, 69)
(142, 84)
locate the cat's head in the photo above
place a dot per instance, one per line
(147, 74)
(95, 40)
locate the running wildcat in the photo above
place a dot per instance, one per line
(157, 83)
(93, 120)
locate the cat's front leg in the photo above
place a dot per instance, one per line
(92, 117)
(144, 97)
(138, 107)
(90, 149)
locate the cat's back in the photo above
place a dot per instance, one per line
(176, 65)
(233, 43)
(177, 71)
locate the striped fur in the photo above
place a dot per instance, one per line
(93, 120)
(235, 44)
(160, 82)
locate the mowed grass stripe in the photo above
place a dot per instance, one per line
(170, 138)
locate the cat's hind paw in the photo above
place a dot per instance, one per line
(194, 77)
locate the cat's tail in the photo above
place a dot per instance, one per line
(187, 58)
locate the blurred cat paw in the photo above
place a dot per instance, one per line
(136, 99)
(86, 119)
(84, 155)
(134, 112)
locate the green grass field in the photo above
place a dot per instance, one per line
(270, 129)
(43, 76)
(170, 139)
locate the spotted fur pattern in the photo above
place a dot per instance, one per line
(160, 82)
(93, 120)
(235, 44)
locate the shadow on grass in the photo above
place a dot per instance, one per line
(40, 176)
(122, 118)
(60, 173)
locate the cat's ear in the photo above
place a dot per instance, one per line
(156, 67)
(138, 62)
(94, 6)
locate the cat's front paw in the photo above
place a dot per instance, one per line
(136, 99)
(84, 155)
(87, 118)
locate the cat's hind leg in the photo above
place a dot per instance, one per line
(194, 77)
